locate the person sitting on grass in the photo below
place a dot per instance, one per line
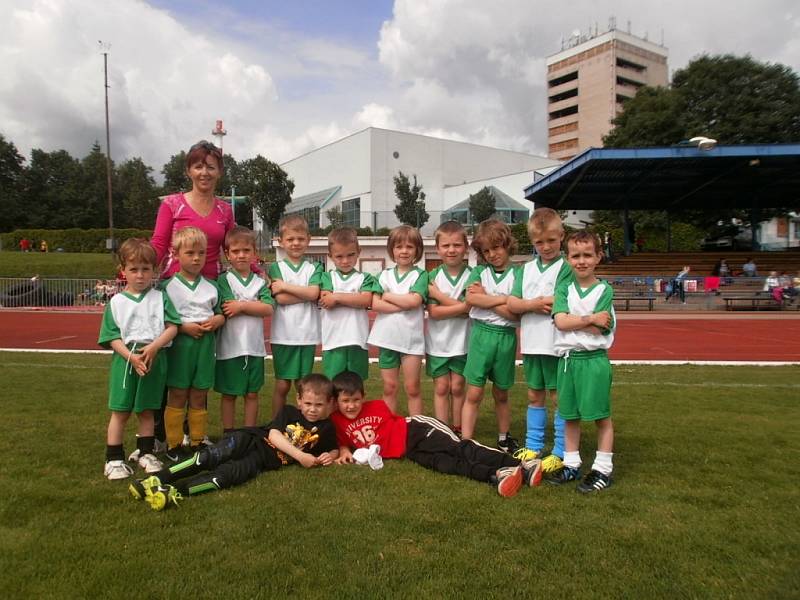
(305, 436)
(423, 440)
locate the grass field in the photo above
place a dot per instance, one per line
(704, 505)
(57, 264)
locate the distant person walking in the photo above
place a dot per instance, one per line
(677, 285)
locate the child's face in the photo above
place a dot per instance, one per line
(547, 242)
(240, 254)
(404, 253)
(583, 259)
(497, 256)
(350, 404)
(139, 276)
(295, 242)
(192, 259)
(451, 249)
(344, 256)
(314, 406)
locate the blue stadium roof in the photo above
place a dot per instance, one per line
(674, 177)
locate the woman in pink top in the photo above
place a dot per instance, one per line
(199, 208)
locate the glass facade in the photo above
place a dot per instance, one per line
(351, 212)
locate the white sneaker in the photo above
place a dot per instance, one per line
(206, 441)
(134, 457)
(150, 463)
(117, 469)
(187, 441)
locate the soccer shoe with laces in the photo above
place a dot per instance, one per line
(532, 472)
(594, 481)
(563, 475)
(117, 469)
(509, 480)
(551, 464)
(526, 454)
(163, 496)
(508, 445)
(141, 488)
(150, 463)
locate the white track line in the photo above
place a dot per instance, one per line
(58, 339)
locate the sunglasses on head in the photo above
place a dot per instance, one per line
(206, 145)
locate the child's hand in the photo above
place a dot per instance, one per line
(327, 299)
(194, 330)
(544, 305)
(345, 457)
(476, 288)
(139, 365)
(602, 319)
(148, 354)
(277, 286)
(434, 292)
(231, 308)
(325, 459)
(309, 461)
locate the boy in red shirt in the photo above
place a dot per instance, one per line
(423, 440)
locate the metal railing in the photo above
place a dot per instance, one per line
(25, 292)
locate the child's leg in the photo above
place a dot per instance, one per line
(391, 379)
(572, 441)
(115, 434)
(144, 432)
(536, 419)
(441, 399)
(251, 409)
(226, 475)
(605, 446)
(469, 414)
(173, 416)
(411, 364)
(279, 395)
(198, 415)
(558, 427)
(502, 409)
(458, 391)
(228, 411)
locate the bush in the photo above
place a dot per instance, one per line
(70, 240)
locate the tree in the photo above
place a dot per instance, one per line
(411, 208)
(268, 187)
(13, 212)
(52, 190)
(335, 217)
(139, 194)
(174, 172)
(93, 210)
(481, 205)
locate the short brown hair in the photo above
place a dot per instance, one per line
(348, 382)
(136, 250)
(494, 232)
(240, 233)
(292, 223)
(200, 151)
(189, 236)
(449, 228)
(342, 235)
(585, 236)
(405, 233)
(542, 218)
(316, 383)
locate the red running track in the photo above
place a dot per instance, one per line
(696, 337)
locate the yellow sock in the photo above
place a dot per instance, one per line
(198, 421)
(173, 424)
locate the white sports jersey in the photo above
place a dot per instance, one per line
(448, 337)
(537, 330)
(195, 302)
(135, 320)
(403, 331)
(573, 299)
(296, 324)
(242, 335)
(494, 284)
(343, 325)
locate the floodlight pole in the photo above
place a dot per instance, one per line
(111, 245)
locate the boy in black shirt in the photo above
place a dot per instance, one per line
(305, 436)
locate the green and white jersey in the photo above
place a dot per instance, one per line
(242, 335)
(535, 279)
(344, 325)
(494, 284)
(136, 319)
(402, 331)
(195, 302)
(296, 324)
(573, 299)
(448, 337)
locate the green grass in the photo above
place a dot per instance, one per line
(57, 264)
(704, 505)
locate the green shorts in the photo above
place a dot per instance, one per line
(584, 386)
(541, 371)
(292, 362)
(239, 376)
(346, 358)
(127, 392)
(191, 362)
(492, 352)
(439, 366)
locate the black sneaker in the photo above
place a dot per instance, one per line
(508, 445)
(177, 454)
(594, 481)
(563, 475)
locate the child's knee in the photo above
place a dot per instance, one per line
(441, 386)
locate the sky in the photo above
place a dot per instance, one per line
(287, 77)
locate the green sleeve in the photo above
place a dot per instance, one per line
(370, 284)
(264, 294)
(475, 275)
(421, 285)
(565, 274)
(606, 303)
(109, 330)
(560, 304)
(224, 289)
(431, 279)
(274, 271)
(170, 312)
(326, 282)
(218, 306)
(516, 289)
(316, 276)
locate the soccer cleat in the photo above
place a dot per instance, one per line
(134, 457)
(563, 475)
(509, 480)
(117, 469)
(150, 463)
(508, 445)
(163, 496)
(532, 472)
(177, 454)
(142, 488)
(526, 454)
(594, 481)
(551, 464)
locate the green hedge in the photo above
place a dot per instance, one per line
(69, 240)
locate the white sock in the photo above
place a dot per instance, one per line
(602, 462)
(572, 459)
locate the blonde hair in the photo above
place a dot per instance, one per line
(342, 236)
(450, 228)
(542, 218)
(190, 237)
(293, 223)
(493, 232)
(136, 250)
(240, 233)
(405, 233)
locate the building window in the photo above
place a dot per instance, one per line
(627, 64)
(797, 230)
(563, 79)
(310, 214)
(564, 95)
(624, 81)
(564, 112)
(565, 145)
(351, 212)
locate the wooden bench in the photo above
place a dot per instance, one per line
(627, 299)
(751, 302)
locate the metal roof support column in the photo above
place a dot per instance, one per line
(626, 230)
(755, 219)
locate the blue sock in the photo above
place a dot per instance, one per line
(537, 419)
(558, 435)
